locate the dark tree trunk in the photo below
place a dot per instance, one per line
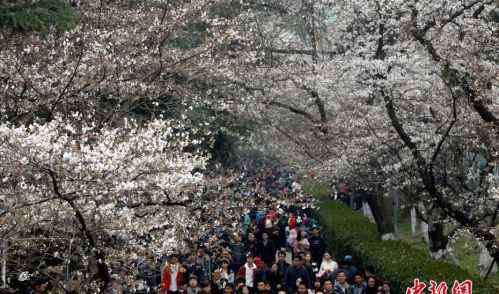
(382, 210)
(438, 240)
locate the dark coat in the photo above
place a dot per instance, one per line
(267, 252)
(293, 274)
(317, 248)
(282, 268)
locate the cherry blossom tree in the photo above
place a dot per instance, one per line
(442, 109)
(404, 90)
(131, 181)
(72, 166)
(388, 94)
(121, 57)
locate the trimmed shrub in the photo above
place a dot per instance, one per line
(320, 191)
(349, 232)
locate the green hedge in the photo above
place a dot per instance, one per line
(320, 191)
(349, 232)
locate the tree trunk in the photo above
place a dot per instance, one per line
(4, 263)
(414, 223)
(366, 210)
(438, 241)
(102, 268)
(486, 264)
(424, 232)
(381, 208)
(396, 212)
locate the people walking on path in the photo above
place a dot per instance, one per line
(268, 242)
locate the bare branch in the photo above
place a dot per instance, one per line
(294, 110)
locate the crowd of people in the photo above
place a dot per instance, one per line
(265, 241)
(276, 248)
(258, 262)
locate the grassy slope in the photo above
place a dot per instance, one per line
(464, 247)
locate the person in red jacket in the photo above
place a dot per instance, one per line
(171, 280)
(292, 221)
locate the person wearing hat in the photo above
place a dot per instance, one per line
(348, 267)
(317, 245)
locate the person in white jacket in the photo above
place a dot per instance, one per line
(328, 265)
